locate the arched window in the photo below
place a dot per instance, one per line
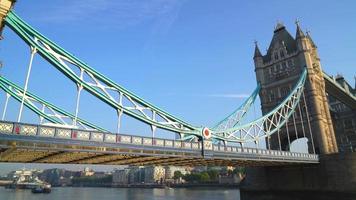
(290, 63)
(271, 96)
(281, 53)
(276, 55)
(276, 67)
(285, 91)
(284, 65)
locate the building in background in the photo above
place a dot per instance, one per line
(136, 175)
(88, 172)
(121, 177)
(155, 174)
(170, 170)
(59, 177)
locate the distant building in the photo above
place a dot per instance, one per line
(136, 175)
(88, 172)
(121, 177)
(25, 175)
(58, 177)
(154, 174)
(169, 171)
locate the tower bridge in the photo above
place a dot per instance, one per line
(298, 100)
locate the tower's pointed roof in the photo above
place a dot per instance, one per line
(299, 33)
(279, 26)
(257, 51)
(283, 37)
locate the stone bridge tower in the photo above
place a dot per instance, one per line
(278, 71)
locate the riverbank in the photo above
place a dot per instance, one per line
(181, 185)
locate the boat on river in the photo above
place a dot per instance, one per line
(45, 188)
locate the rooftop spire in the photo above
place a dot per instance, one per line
(299, 33)
(257, 51)
(279, 26)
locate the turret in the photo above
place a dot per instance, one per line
(258, 60)
(301, 40)
(257, 56)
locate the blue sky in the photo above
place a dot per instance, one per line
(191, 58)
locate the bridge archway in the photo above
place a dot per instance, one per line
(286, 142)
(300, 145)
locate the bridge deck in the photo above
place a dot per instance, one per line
(44, 144)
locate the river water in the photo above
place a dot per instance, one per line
(69, 193)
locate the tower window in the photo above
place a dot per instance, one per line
(281, 53)
(271, 96)
(290, 63)
(276, 55)
(284, 91)
(348, 123)
(284, 65)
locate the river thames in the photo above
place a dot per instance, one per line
(76, 193)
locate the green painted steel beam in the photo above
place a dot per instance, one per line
(28, 34)
(244, 108)
(6, 85)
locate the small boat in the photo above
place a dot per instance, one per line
(45, 188)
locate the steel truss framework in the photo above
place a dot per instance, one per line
(269, 123)
(46, 111)
(97, 84)
(125, 102)
(235, 117)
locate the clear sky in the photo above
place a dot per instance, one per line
(192, 58)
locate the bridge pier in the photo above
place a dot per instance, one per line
(335, 173)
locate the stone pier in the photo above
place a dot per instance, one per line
(335, 173)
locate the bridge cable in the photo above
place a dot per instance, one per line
(287, 128)
(79, 90)
(5, 106)
(54, 114)
(295, 126)
(33, 52)
(279, 140)
(308, 119)
(40, 116)
(58, 58)
(301, 119)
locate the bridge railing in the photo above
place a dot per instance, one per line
(42, 131)
(25, 129)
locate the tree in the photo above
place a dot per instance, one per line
(213, 174)
(204, 177)
(177, 175)
(239, 170)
